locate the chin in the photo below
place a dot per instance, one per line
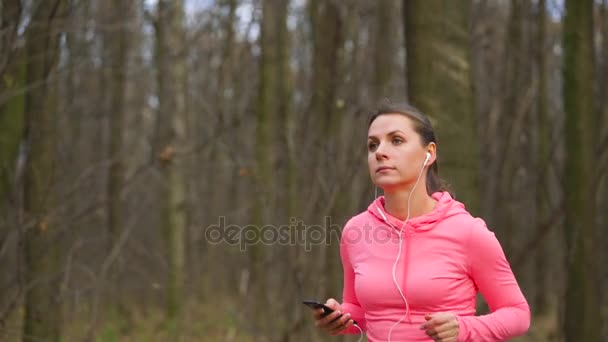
(386, 185)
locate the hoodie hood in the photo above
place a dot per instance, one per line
(445, 207)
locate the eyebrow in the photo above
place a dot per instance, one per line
(389, 133)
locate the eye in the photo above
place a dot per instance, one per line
(372, 145)
(397, 141)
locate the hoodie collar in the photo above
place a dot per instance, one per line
(445, 207)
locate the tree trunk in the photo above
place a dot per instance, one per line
(582, 305)
(12, 78)
(42, 245)
(271, 101)
(325, 116)
(171, 65)
(285, 166)
(384, 48)
(602, 152)
(225, 107)
(117, 17)
(543, 144)
(10, 15)
(517, 180)
(439, 84)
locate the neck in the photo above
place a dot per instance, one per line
(420, 202)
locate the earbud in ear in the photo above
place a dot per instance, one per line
(428, 156)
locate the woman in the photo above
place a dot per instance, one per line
(415, 259)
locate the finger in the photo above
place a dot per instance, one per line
(431, 333)
(339, 325)
(449, 326)
(445, 339)
(442, 318)
(332, 303)
(446, 330)
(426, 325)
(430, 322)
(436, 319)
(324, 321)
(447, 333)
(440, 331)
(445, 336)
(317, 314)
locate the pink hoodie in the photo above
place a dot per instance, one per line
(446, 257)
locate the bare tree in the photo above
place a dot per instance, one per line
(326, 115)
(116, 41)
(543, 139)
(42, 245)
(12, 73)
(439, 83)
(384, 48)
(170, 45)
(582, 319)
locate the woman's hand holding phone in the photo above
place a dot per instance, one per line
(335, 321)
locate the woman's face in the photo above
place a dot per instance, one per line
(395, 153)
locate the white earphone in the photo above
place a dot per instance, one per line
(428, 156)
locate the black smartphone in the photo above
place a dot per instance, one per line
(313, 304)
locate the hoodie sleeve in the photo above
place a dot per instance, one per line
(350, 303)
(491, 272)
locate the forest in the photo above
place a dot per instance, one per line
(181, 170)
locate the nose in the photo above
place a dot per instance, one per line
(380, 154)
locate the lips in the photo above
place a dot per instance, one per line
(384, 168)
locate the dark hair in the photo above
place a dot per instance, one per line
(424, 128)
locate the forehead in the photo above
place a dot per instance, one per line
(387, 123)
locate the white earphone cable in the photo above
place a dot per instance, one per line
(360, 332)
